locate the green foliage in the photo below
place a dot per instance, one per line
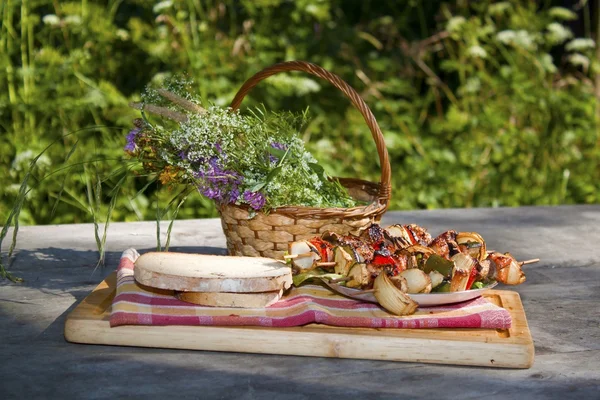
(481, 103)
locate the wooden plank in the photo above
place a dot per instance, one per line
(511, 348)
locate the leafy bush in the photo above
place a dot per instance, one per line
(482, 104)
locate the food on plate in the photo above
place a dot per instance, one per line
(401, 260)
(506, 269)
(391, 298)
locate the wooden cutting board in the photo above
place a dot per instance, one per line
(511, 348)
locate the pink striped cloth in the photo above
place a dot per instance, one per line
(137, 305)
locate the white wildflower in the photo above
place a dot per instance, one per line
(122, 34)
(499, 8)
(472, 85)
(557, 33)
(562, 13)
(548, 63)
(506, 37)
(580, 44)
(520, 38)
(453, 25)
(73, 20)
(579, 60)
(23, 159)
(161, 6)
(51, 20)
(525, 40)
(477, 52)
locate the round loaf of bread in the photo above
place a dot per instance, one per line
(207, 273)
(237, 300)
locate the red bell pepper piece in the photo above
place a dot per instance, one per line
(383, 260)
(323, 247)
(472, 278)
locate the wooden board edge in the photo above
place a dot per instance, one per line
(80, 328)
(519, 330)
(230, 340)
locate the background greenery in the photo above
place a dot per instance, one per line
(481, 103)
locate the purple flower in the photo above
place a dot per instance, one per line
(212, 193)
(214, 163)
(218, 183)
(131, 136)
(256, 200)
(183, 155)
(234, 194)
(278, 146)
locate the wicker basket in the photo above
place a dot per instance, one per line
(268, 235)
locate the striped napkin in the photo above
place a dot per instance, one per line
(137, 305)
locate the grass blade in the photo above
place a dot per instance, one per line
(158, 216)
(59, 197)
(183, 199)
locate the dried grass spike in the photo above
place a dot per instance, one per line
(162, 111)
(181, 102)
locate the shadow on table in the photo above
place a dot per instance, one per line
(116, 372)
(55, 271)
(52, 279)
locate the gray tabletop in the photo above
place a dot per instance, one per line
(561, 298)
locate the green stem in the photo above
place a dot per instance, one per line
(24, 52)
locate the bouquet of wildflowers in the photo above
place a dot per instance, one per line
(257, 160)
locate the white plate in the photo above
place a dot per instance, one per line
(429, 299)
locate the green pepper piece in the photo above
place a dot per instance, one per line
(439, 264)
(443, 288)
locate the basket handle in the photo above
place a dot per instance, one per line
(313, 69)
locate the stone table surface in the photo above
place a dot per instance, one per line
(561, 298)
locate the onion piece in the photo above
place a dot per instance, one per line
(420, 254)
(508, 270)
(464, 264)
(473, 244)
(310, 255)
(436, 279)
(391, 298)
(400, 282)
(417, 248)
(399, 235)
(417, 281)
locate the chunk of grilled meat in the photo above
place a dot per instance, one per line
(373, 233)
(419, 234)
(440, 246)
(507, 270)
(360, 250)
(445, 244)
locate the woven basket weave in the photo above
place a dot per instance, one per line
(268, 235)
